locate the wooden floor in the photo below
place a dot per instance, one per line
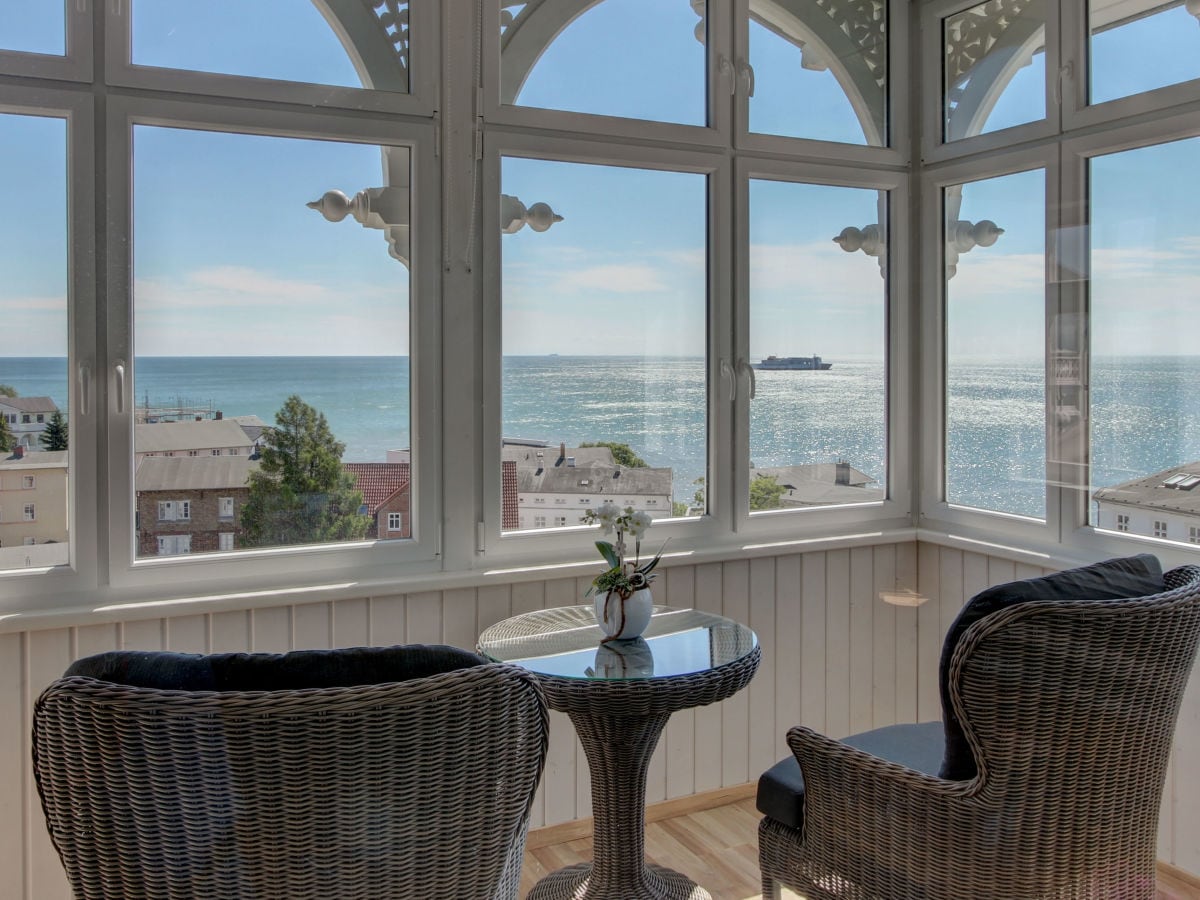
(718, 849)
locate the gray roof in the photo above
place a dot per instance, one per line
(203, 435)
(601, 480)
(816, 485)
(252, 425)
(29, 404)
(193, 473)
(527, 456)
(1149, 492)
(43, 459)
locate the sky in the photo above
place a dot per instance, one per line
(228, 260)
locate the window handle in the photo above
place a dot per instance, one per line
(1065, 71)
(85, 390)
(725, 70)
(746, 74)
(729, 378)
(748, 370)
(119, 371)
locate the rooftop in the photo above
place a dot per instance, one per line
(193, 473)
(1176, 490)
(162, 437)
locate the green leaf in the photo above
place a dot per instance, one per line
(609, 554)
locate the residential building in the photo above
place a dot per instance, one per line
(34, 515)
(27, 418)
(1163, 505)
(191, 504)
(204, 437)
(820, 484)
(386, 498)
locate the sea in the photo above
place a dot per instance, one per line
(1145, 411)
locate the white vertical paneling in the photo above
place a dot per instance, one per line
(564, 758)
(492, 605)
(976, 575)
(351, 623)
(837, 637)
(16, 820)
(187, 634)
(883, 638)
(49, 656)
(708, 718)
(271, 630)
(312, 626)
(1000, 571)
(458, 619)
(785, 667)
(230, 631)
(813, 642)
(1186, 786)
(528, 596)
(951, 587)
(424, 617)
(735, 711)
(762, 723)
(862, 639)
(680, 737)
(93, 639)
(929, 633)
(389, 621)
(144, 634)
(907, 637)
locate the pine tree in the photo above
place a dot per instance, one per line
(55, 435)
(300, 493)
(7, 441)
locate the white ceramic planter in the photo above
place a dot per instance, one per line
(621, 621)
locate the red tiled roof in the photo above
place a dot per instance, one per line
(378, 481)
(510, 519)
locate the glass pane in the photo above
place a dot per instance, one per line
(995, 344)
(641, 59)
(1145, 278)
(1140, 45)
(604, 330)
(820, 70)
(271, 380)
(347, 43)
(818, 423)
(994, 68)
(34, 384)
(33, 26)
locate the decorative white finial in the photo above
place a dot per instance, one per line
(514, 215)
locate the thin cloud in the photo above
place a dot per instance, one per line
(33, 304)
(631, 278)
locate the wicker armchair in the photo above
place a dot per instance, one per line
(1068, 708)
(374, 773)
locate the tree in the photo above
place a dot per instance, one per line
(7, 441)
(7, 390)
(765, 491)
(623, 454)
(55, 435)
(300, 493)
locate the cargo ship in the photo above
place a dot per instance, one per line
(794, 363)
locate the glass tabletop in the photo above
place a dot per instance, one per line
(565, 642)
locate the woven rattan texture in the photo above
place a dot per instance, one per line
(416, 790)
(1070, 709)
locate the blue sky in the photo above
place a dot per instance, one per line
(228, 259)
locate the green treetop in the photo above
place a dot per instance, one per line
(7, 390)
(765, 491)
(55, 435)
(623, 454)
(7, 441)
(300, 493)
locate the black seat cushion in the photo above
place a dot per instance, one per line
(1113, 579)
(919, 747)
(296, 670)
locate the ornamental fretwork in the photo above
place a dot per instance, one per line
(393, 19)
(864, 22)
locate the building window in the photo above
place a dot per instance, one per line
(174, 544)
(560, 521)
(25, 419)
(30, 512)
(225, 507)
(29, 541)
(539, 521)
(1160, 529)
(1122, 522)
(41, 417)
(394, 521)
(190, 453)
(174, 510)
(225, 540)
(216, 452)
(1194, 534)
(28, 482)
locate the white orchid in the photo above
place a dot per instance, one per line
(638, 523)
(606, 514)
(621, 576)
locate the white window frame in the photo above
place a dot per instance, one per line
(29, 513)
(225, 540)
(76, 62)
(395, 521)
(28, 482)
(224, 503)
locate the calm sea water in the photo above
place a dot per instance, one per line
(1145, 416)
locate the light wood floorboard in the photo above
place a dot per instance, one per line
(718, 849)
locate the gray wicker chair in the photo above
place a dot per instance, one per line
(270, 781)
(1068, 707)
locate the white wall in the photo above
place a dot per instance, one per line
(835, 657)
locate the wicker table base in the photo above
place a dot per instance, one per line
(618, 749)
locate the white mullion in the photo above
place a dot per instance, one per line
(74, 65)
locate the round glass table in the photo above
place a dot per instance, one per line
(619, 696)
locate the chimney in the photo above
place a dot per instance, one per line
(562, 450)
(571, 461)
(19, 452)
(842, 473)
(220, 415)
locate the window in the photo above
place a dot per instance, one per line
(174, 544)
(28, 482)
(394, 521)
(215, 452)
(174, 510)
(41, 417)
(1122, 522)
(225, 507)
(28, 542)
(34, 28)
(225, 540)
(30, 512)
(560, 521)
(1140, 47)
(25, 419)
(1160, 528)
(539, 521)
(190, 453)
(1194, 534)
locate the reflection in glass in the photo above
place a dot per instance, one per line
(995, 327)
(33, 26)
(1140, 45)
(271, 377)
(994, 67)
(336, 42)
(1145, 407)
(819, 71)
(817, 345)
(640, 59)
(35, 492)
(604, 336)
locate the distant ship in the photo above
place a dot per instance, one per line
(801, 363)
